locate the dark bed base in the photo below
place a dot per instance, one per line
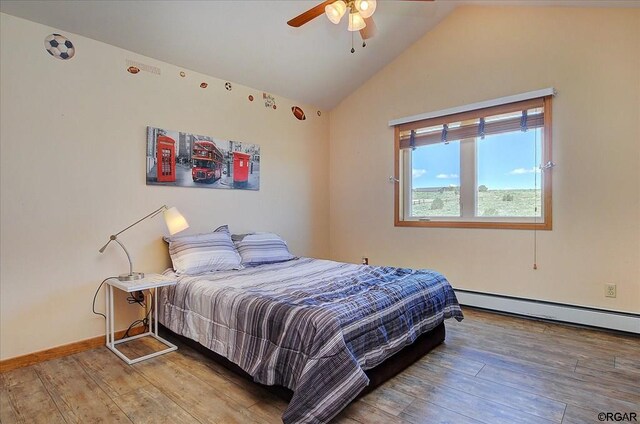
(377, 375)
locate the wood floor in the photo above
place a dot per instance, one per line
(492, 369)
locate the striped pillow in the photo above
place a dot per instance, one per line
(199, 253)
(263, 248)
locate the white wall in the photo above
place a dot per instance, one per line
(592, 57)
(73, 172)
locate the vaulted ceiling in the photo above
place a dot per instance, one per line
(249, 42)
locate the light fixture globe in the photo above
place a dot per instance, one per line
(366, 7)
(335, 11)
(356, 22)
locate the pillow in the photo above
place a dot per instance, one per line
(263, 248)
(222, 229)
(238, 237)
(199, 253)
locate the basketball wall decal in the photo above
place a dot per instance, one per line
(203, 85)
(250, 97)
(133, 70)
(298, 113)
(59, 46)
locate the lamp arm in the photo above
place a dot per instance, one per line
(154, 213)
(105, 245)
(128, 256)
(132, 276)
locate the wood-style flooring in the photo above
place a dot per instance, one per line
(492, 369)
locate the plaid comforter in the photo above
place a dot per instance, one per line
(310, 325)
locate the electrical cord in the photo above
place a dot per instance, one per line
(93, 305)
(144, 321)
(131, 300)
(135, 299)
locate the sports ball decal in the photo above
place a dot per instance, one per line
(59, 46)
(269, 101)
(319, 113)
(182, 74)
(133, 70)
(298, 113)
(228, 86)
(204, 85)
(250, 97)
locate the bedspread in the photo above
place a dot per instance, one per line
(310, 325)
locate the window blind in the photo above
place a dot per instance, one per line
(520, 116)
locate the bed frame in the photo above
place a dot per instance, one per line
(377, 375)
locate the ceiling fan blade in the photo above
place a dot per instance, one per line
(370, 30)
(310, 14)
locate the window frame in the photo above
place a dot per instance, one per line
(545, 222)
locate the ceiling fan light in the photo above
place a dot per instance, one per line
(366, 7)
(356, 22)
(335, 11)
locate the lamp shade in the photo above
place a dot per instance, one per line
(175, 221)
(335, 11)
(366, 7)
(356, 22)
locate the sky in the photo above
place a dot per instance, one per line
(504, 161)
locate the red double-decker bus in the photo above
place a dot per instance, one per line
(207, 162)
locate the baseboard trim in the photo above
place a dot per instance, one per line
(60, 351)
(590, 317)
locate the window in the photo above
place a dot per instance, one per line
(477, 168)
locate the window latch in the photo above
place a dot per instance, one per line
(548, 165)
(393, 179)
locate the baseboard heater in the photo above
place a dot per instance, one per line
(591, 317)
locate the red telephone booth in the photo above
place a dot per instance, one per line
(240, 168)
(166, 159)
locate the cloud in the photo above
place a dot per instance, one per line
(521, 171)
(446, 176)
(417, 173)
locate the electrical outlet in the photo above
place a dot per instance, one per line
(610, 290)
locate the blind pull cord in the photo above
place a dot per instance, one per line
(445, 130)
(481, 129)
(412, 140)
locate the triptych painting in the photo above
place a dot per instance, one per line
(188, 160)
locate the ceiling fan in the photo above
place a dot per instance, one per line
(360, 15)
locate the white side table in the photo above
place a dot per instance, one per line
(149, 282)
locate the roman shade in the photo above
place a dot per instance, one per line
(518, 116)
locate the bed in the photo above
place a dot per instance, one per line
(313, 326)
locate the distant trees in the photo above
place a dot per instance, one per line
(437, 204)
(483, 188)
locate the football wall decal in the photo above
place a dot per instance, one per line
(59, 46)
(298, 113)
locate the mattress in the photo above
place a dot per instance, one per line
(310, 325)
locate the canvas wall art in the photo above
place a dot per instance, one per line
(188, 160)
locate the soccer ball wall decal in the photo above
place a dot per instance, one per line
(59, 46)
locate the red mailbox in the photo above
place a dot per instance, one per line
(241, 166)
(166, 159)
